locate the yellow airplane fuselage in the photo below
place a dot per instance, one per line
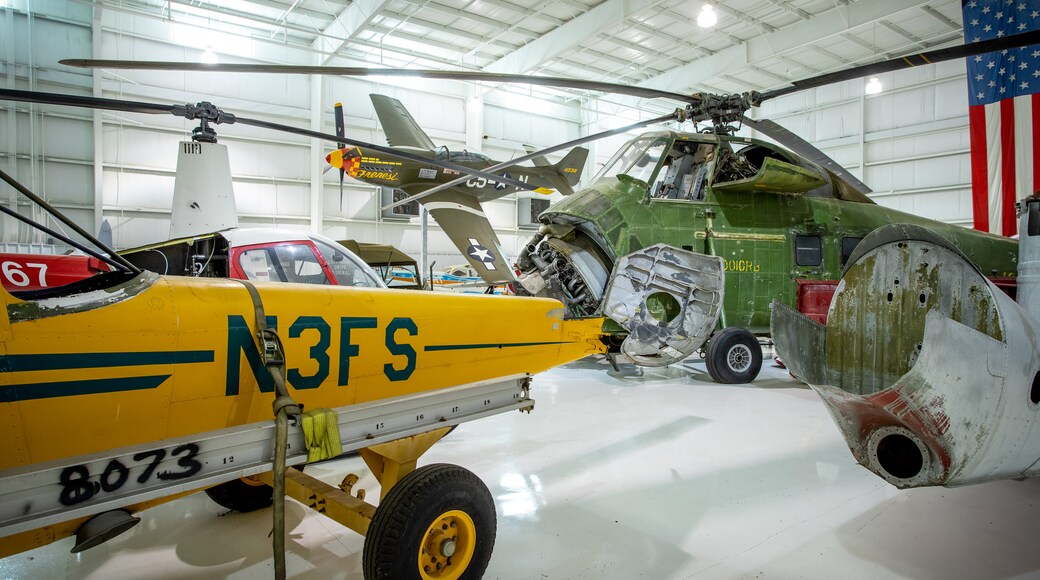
(162, 357)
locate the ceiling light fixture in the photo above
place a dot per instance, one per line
(873, 86)
(707, 18)
(209, 57)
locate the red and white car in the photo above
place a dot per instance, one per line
(264, 254)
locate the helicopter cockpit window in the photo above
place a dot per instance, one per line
(638, 160)
(348, 272)
(286, 263)
(685, 172)
(848, 245)
(808, 250)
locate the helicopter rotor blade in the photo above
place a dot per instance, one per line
(802, 147)
(532, 155)
(939, 55)
(930, 57)
(87, 102)
(210, 113)
(457, 75)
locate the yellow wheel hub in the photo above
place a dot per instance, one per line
(447, 546)
(252, 480)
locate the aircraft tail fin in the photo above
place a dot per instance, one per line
(565, 174)
(539, 161)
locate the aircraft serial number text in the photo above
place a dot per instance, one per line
(742, 266)
(77, 487)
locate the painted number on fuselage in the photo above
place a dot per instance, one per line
(16, 274)
(316, 334)
(742, 266)
(77, 485)
(481, 182)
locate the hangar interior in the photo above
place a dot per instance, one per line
(908, 142)
(617, 472)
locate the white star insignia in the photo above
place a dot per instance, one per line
(481, 254)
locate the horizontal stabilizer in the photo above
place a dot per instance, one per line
(565, 174)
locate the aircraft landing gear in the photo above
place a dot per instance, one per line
(440, 515)
(435, 522)
(734, 356)
(245, 494)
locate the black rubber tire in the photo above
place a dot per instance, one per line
(240, 496)
(734, 356)
(395, 538)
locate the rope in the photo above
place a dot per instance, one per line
(284, 407)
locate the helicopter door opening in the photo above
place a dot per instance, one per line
(685, 172)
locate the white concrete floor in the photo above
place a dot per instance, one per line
(640, 474)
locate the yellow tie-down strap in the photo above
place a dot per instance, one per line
(321, 434)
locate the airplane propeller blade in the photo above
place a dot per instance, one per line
(340, 131)
(210, 113)
(533, 155)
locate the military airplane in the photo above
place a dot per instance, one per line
(930, 371)
(175, 391)
(457, 209)
(773, 214)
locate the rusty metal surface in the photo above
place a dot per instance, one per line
(661, 335)
(876, 320)
(942, 386)
(800, 340)
(962, 415)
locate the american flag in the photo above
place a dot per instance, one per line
(1003, 112)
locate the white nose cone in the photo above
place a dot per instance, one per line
(203, 197)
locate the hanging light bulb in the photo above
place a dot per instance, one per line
(209, 57)
(707, 18)
(873, 86)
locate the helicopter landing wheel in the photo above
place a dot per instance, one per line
(734, 356)
(436, 523)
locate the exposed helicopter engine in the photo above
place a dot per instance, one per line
(559, 261)
(949, 395)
